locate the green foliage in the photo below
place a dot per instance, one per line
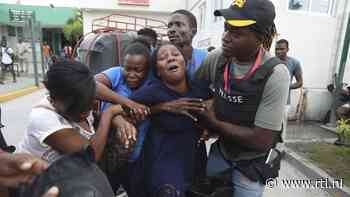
(73, 30)
(343, 129)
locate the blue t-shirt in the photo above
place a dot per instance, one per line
(294, 67)
(119, 85)
(198, 56)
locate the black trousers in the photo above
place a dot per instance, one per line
(7, 68)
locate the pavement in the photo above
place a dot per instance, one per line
(307, 131)
(25, 84)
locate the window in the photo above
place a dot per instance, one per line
(202, 15)
(11, 30)
(218, 4)
(20, 32)
(316, 6)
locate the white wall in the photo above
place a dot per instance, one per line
(313, 40)
(163, 6)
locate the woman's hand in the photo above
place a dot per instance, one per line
(136, 111)
(207, 117)
(125, 130)
(52, 192)
(16, 169)
(115, 110)
(184, 106)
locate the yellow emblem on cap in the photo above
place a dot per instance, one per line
(239, 3)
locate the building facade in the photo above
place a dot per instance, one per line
(48, 27)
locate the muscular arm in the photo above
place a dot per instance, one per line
(256, 138)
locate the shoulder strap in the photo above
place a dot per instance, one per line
(266, 69)
(6, 51)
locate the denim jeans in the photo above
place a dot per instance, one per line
(243, 187)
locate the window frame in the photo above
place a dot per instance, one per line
(309, 11)
(220, 4)
(11, 31)
(202, 15)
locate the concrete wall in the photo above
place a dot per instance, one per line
(314, 40)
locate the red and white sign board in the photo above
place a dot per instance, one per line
(134, 2)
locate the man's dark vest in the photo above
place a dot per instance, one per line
(240, 104)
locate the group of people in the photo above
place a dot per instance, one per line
(168, 98)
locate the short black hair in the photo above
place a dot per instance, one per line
(72, 83)
(191, 18)
(148, 32)
(138, 47)
(281, 41)
(143, 41)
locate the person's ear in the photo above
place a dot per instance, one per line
(193, 32)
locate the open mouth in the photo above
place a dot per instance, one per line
(173, 68)
(132, 82)
(173, 38)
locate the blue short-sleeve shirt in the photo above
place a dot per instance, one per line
(198, 56)
(119, 85)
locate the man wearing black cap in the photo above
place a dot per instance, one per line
(250, 89)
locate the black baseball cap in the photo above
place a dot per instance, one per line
(243, 13)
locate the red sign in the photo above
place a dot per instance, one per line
(134, 2)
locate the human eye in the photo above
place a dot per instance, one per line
(179, 24)
(161, 57)
(139, 69)
(176, 53)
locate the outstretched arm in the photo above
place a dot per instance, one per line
(104, 92)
